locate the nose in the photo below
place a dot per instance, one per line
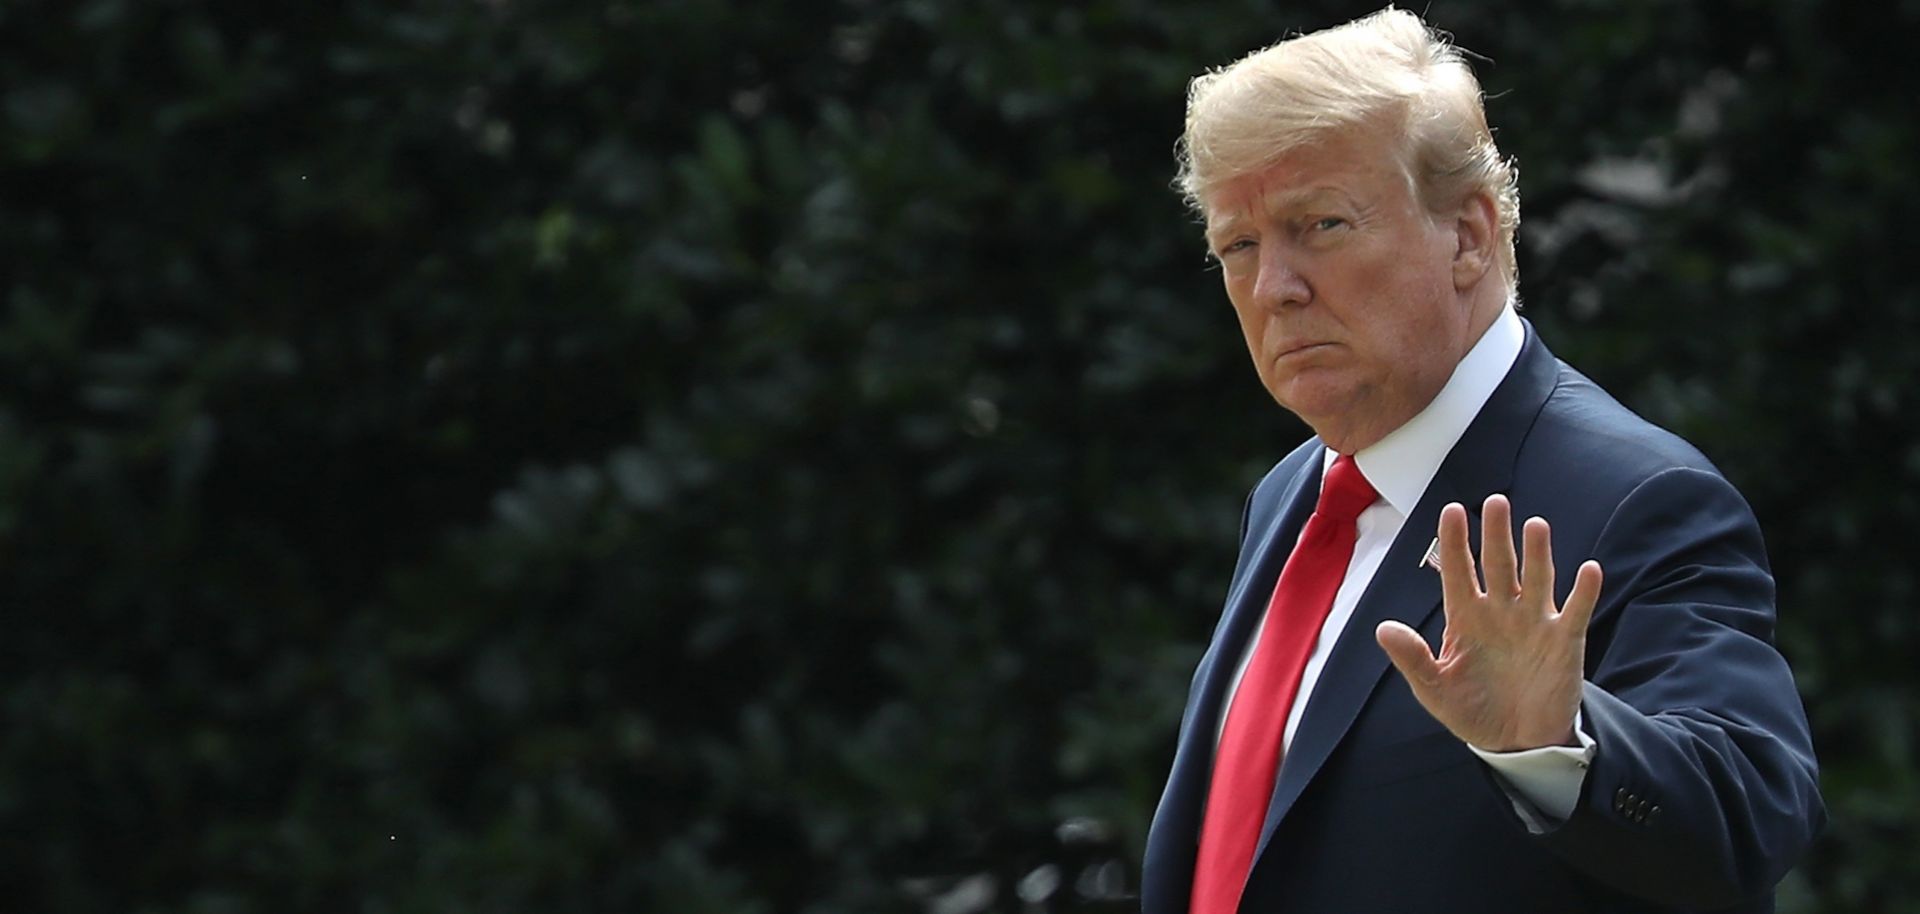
(1279, 283)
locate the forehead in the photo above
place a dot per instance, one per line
(1357, 167)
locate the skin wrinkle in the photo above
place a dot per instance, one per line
(1330, 248)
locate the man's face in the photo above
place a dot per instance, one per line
(1344, 285)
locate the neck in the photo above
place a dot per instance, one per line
(1484, 303)
(1488, 300)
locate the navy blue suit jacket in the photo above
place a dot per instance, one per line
(1703, 791)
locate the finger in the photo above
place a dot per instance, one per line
(1536, 563)
(1585, 596)
(1458, 583)
(1409, 654)
(1497, 561)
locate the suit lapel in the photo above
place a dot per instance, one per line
(1245, 604)
(1273, 527)
(1480, 464)
(1401, 589)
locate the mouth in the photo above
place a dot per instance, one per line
(1299, 349)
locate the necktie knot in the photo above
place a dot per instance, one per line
(1345, 493)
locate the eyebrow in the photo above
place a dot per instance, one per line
(1278, 201)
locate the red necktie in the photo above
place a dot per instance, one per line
(1248, 757)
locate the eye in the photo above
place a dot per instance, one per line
(1234, 246)
(1329, 223)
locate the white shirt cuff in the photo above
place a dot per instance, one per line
(1543, 784)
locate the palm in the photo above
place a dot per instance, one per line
(1508, 673)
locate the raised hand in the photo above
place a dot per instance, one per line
(1510, 664)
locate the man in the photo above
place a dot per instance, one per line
(1595, 719)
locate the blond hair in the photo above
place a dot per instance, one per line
(1389, 68)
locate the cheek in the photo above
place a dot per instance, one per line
(1431, 326)
(1240, 296)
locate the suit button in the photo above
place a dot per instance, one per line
(1620, 800)
(1651, 813)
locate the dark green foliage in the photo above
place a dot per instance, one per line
(697, 457)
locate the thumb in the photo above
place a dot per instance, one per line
(1408, 651)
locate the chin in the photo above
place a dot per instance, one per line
(1332, 415)
(1316, 401)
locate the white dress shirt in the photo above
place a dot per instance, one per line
(1399, 467)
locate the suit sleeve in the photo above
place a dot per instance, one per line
(1703, 791)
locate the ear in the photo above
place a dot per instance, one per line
(1476, 240)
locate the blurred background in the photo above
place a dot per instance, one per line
(721, 457)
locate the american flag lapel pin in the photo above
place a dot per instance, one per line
(1432, 558)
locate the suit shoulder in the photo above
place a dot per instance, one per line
(1269, 495)
(1582, 425)
(1287, 469)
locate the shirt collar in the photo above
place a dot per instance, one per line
(1400, 465)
